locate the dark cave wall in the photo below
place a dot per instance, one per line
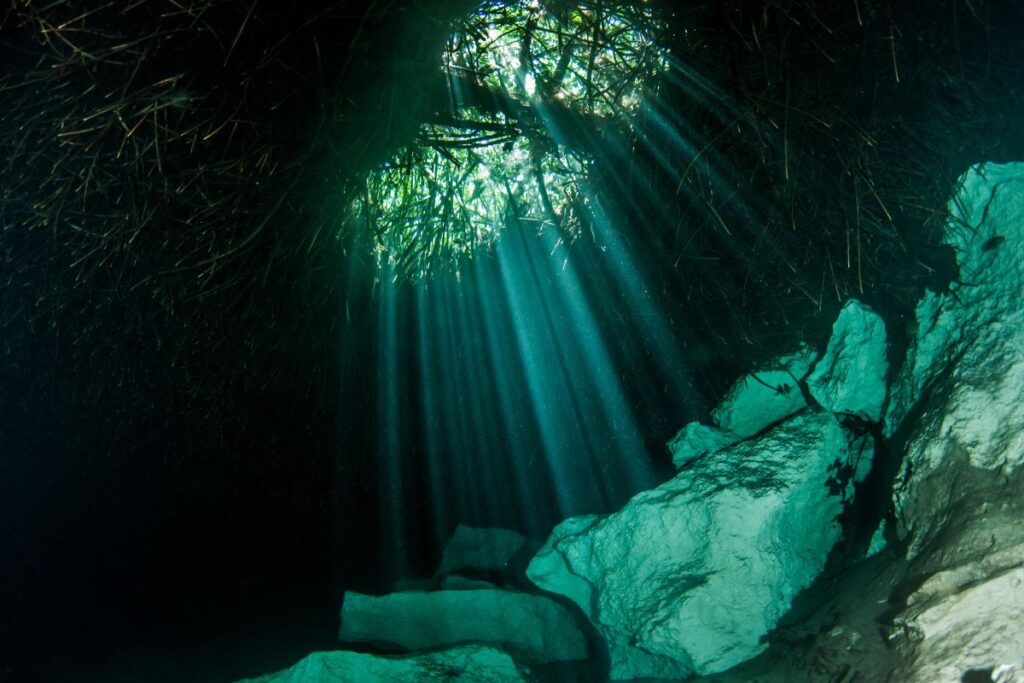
(182, 412)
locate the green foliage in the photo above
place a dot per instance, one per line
(434, 204)
(518, 74)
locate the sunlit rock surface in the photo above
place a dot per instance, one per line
(960, 403)
(476, 549)
(532, 625)
(687, 577)
(965, 368)
(972, 334)
(945, 602)
(850, 377)
(764, 397)
(696, 439)
(979, 628)
(755, 402)
(470, 664)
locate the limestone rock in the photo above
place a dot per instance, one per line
(755, 402)
(535, 626)
(982, 314)
(965, 368)
(696, 439)
(476, 549)
(687, 577)
(764, 397)
(850, 377)
(979, 629)
(469, 664)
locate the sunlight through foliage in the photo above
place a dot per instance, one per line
(529, 85)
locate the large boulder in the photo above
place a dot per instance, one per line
(963, 380)
(469, 664)
(850, 377)
(764, 397)
(958, 406)
(689, 576)
(534, 626)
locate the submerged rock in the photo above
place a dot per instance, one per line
(850, 377)
(964, 373)
(762, 398)
(978, 629)
(951, 605)
(755, 402)
(469, 664)
(696, 439)
(687, 577)
(532, 625)
(475, 549)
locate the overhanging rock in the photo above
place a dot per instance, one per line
(687, 577)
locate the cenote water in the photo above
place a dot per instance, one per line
(511, 340)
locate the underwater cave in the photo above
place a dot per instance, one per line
(511, 340)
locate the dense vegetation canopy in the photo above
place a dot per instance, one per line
(524, 80)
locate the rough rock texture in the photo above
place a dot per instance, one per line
(532, 625)
(765, 397)
(470, 664)
(964, 374)
(476, 549)
(687, 577)
(950, 594)
(980, 628)
(696, 439)
(850, 377)
(972, 336)
(755, 402)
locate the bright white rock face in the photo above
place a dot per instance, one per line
(535, 626)
(966, 363)
(687, 577)
(974, 335)
(850, 377)
(470, 664)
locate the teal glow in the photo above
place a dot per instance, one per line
(512, 70)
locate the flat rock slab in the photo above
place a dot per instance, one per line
(534, 626)
(764, 397)
(752, 404)
(980, 628)
(470, 664)
(687, 577)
